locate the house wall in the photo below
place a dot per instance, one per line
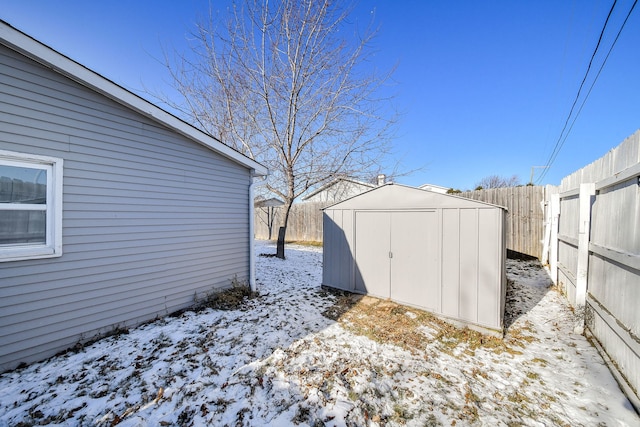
(151, 219)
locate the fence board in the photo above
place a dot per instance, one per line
(305, 222)
(525, 216)
(613, 261)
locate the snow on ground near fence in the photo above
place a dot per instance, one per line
(279, 361)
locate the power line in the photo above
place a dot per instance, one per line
(558, 145)
(553, 157)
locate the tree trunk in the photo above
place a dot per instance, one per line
(270, 216)
(280, 248)
(282, 232)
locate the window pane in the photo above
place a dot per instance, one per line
(23, 185)
(22, 227)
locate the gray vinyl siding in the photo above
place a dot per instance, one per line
(151, 219)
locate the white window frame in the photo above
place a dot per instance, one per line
(53, 236)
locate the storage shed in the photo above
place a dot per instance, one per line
(437, 252)
(112, 211)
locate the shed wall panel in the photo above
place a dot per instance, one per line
(338, 253)
(447, 258)
(489, 266)
(348, 249)
(150, 218)
(451, 262)
(469, 253)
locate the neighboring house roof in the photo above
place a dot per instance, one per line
(264, 203)
(335, 182)
(432, 187)
(43, 54)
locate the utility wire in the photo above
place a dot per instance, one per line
(558, 145)
(590, 88)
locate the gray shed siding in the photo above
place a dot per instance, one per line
(150, 218)
(436, 252)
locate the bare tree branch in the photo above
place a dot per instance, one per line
(287, 83)
(495, 181)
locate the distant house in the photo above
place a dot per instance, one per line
(268, 203)
(434, 188)
(112, 211)
(341, 189)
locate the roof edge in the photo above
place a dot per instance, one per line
(368, 191)
(60, 63)
(334, 181)
(418, 189)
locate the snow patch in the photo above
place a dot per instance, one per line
(278, 360)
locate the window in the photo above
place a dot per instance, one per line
(30, 206)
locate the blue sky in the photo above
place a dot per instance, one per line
(484, 87)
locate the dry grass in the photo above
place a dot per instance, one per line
(391, 323)
(305, 243)
(231, 298)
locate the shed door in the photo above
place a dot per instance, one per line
(397, 256)
(373, 242)
(415, 272)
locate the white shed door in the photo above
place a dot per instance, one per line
(397, 256)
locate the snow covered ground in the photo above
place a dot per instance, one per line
(300, 355)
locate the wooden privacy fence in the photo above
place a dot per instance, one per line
(594, 256)
(305, 222)
(525, 216)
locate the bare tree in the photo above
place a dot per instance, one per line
(288, 83)
(495, 181)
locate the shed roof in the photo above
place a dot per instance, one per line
(50, 58)
(397, 196)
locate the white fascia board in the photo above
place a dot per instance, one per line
(60, 63)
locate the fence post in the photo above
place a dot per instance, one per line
(553, 244)
(587, 191)
(545, 205)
